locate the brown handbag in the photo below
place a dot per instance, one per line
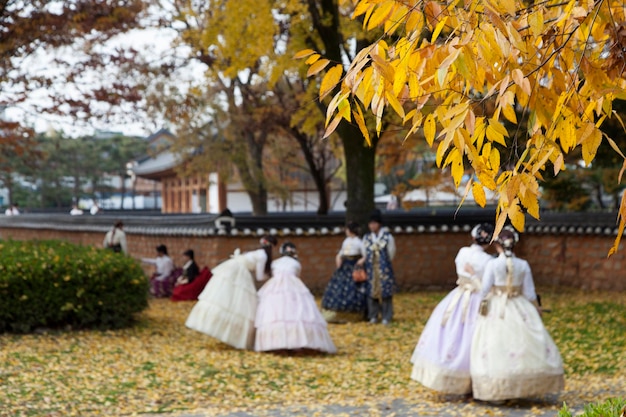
(359, 274)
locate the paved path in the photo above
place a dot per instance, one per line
(397, 408)
(591, 389)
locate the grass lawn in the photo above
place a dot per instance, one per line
(160, 366)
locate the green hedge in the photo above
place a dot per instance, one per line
(613, 407)
(54, 284)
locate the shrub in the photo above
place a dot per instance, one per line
(58, 284)
(613, 407)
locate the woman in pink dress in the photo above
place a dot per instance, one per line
(287, 315)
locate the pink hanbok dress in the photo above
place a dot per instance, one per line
(287, 315)
(226, 308)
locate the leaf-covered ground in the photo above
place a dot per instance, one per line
(160, 366)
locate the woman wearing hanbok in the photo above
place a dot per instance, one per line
(192, 281)
(287, 315)
(226, 308)
(163, 279)
(512, 355)
(342, 294)
(441, 360)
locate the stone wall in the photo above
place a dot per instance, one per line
(425, 257)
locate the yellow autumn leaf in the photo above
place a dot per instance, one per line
(516, 216)
(360, 121)
(318, 66)
(303, 53)
(395, 20)
(379, 15)
(455, 160)
(509, 113)
(330, 80)
(438, 29)
(479, 194)
(494, 159)
(362, 7)
(494, 135)
(509, 6)
(622, 225)
(499, 127)
(429, 129)
(535, 20)
(395, 103)
(312, 59)
(566, 132)
(558, 164)
(590, 145)
(532, 206)
(332, 126)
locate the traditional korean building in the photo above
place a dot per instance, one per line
(208, 193)
(195, 194)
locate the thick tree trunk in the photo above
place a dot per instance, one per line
(360, 174)
(249, 162)
(324, 198)
(259, 201)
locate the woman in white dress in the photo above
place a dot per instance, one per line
(287, 315)
(226, 308)
(512, 354)
(441, 359)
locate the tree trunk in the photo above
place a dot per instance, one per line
(8, 184)
(360, 173)
(324, 198)
(317, 171)
(123, 190)
(598, 190)
(249, 163)
(259, 201)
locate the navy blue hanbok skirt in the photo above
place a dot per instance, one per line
(342, 293)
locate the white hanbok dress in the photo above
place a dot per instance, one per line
(226, 308)
(512, 354)
(441, 359)
(287, 315)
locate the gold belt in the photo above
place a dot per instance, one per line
(467, 286)
(514, 291)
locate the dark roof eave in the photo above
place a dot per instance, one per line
(158, 175)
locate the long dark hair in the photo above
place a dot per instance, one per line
(268, 242)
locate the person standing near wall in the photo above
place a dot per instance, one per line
(441, 359)
(342, 294)
(380, 249)
(115, 239)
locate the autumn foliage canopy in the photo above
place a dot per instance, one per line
(507, 88)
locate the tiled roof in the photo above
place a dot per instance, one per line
(303, 224)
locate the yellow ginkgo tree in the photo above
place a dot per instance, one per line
(549, 72)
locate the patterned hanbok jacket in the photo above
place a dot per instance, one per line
(380, 249)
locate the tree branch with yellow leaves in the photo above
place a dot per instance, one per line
(559, 64)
